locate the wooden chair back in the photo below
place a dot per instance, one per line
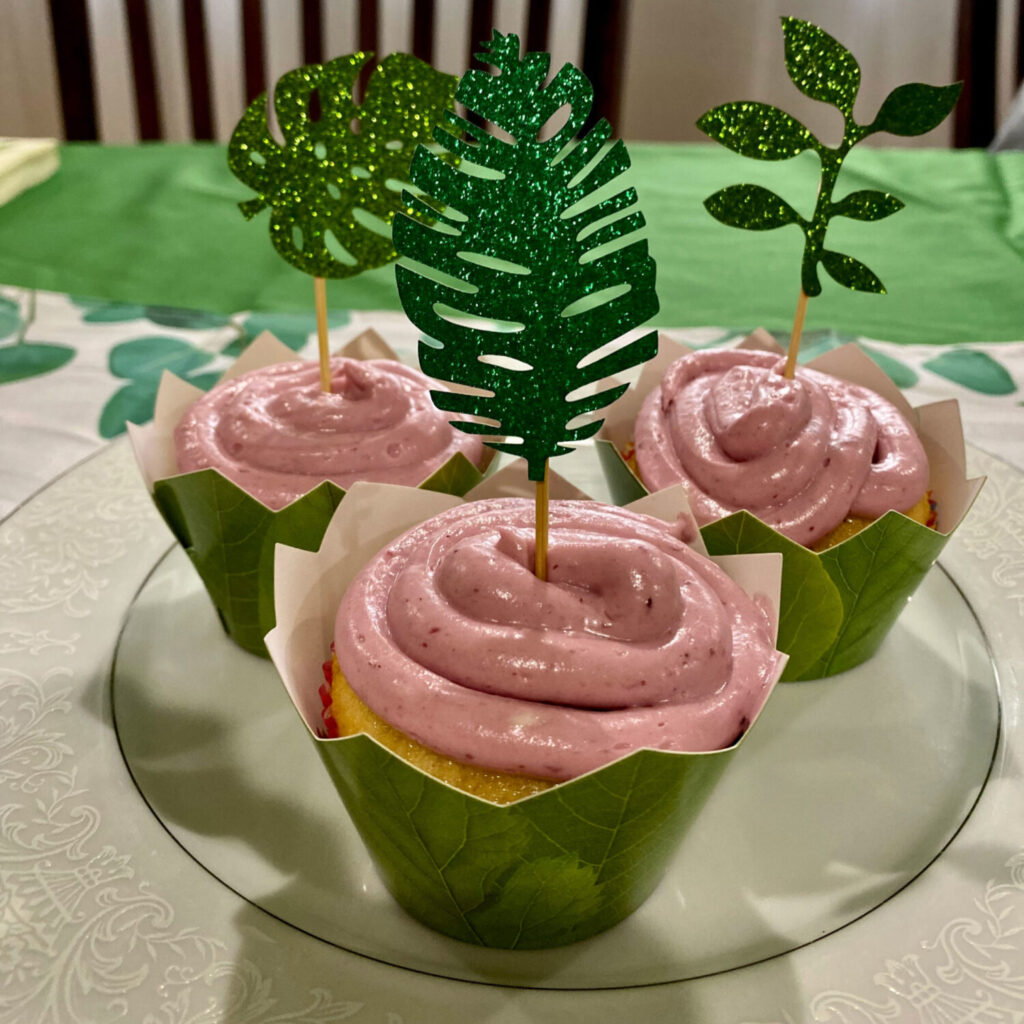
(603, 52)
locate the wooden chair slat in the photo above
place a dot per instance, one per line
(140, 41)
(198, 60)
(604, 45)
(70, 23)
(369, 28)
(481, 26)
(423, 30)
(252, 49)
(538, 20)
(1020, 44)
(312, 32)
(974, 119)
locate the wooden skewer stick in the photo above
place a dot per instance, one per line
(540, 556)
(320, 293)
(789, 372)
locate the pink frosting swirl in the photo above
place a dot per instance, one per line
(634, 641)
(800, 454)
(277, 435)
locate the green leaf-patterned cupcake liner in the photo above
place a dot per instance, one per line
(230, 536)
(550, 869)
(839, 605)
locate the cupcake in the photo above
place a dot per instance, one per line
(634, 641)
(545, 743)
(266, 456)
(834, 470)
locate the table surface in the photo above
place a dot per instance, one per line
(159, 224)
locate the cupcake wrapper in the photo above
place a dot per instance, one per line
(555, 868)
(551, 869)
(229, 535)
(839, 605)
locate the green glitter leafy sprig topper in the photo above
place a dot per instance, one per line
(822, 69)
(521, 276)
(336, 183)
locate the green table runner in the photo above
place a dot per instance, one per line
(158, 224)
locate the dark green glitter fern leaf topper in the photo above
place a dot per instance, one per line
(822, 69)
(338, 177)
(520, 276)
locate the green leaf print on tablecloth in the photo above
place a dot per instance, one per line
(902, 375)
(815, 343)
(142, 361)
(291, 329)
(99, 311)
(31, 359)
(23, 359)
(968, 367)
(10, 317)
(973, 369)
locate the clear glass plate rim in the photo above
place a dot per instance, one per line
(997, 742)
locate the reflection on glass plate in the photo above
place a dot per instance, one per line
(845, 790)
(851, 816)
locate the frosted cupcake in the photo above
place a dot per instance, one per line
(613, 702)
(266, 456)
(834, 470)
(634, 641)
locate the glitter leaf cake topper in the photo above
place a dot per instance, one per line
(334, 186)
(513, 234)
(822, 69)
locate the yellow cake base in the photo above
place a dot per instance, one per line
(851, 525)
(353, 716)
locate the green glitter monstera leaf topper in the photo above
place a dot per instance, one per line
(822, 69)
(513, 234)
(333, 185)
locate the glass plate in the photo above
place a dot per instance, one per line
(170, 849)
